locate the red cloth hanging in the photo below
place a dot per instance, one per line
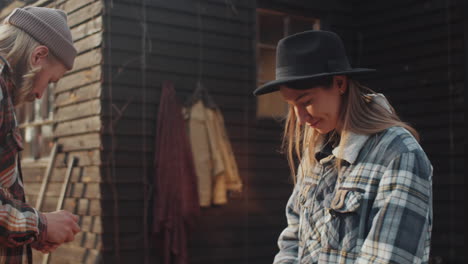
(176, 205)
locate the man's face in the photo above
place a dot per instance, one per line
(52, 70)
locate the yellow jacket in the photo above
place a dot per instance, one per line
(214, 159)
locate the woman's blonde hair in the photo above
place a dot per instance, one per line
(16, 46)
(358, 114)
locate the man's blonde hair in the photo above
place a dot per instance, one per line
(16, 46)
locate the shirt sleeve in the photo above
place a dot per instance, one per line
(401, 214)
(288, 241)
(19, 223)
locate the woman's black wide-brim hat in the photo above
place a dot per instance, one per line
(306, 57)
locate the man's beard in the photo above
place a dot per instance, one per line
(30, 97)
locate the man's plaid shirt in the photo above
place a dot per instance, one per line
(378, 211)
(20, 224)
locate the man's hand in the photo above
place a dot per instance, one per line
(61, 227)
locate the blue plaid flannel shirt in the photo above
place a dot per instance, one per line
(378, 211)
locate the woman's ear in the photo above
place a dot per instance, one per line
(341, 82)
(39, 55)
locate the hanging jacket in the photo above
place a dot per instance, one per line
(175, 199)
(215, 163)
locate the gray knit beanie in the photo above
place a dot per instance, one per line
(49, 27)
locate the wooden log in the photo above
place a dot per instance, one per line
(97, 226)
(85, 13)
(79, 79)
(71, 162)
(87, 60)
(87, 158)
(85, 190)
(48, 173)
(72, 5)
(86, 240)
(82, 142)
(32, 174)
(93, 256)
(52, 189)
(68, 255)
(88, 174)
(86, 223)
(87, 28)
(78, 126)
(77, 111)
(88, 43)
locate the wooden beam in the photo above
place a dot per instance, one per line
(87, 28)
(79, 126)
(88, 43)
(48, 173)
(79, 79)
(71, 162)
(79, 95)
(81, 142)
(85, 13)
(87, 60)
(77, 111)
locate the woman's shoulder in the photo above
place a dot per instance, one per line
(400, 138)
(393, 142)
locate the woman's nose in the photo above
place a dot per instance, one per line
(302, 115)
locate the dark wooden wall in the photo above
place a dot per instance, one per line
(146, 43)
(419, 49)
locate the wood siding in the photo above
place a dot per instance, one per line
(146, 44)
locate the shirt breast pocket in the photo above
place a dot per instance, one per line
(343, 226)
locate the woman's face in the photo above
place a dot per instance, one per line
(51, 71)
(317, 107)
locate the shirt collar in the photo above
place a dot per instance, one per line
(348, 149)
(3, 63)
(351, 147)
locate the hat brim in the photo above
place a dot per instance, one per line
(274, 86)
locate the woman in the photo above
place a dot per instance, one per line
(36, 49)
(363, 191)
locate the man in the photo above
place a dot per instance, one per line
(36, 49)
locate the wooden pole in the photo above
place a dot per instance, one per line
(71, 162)
(48, 173)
